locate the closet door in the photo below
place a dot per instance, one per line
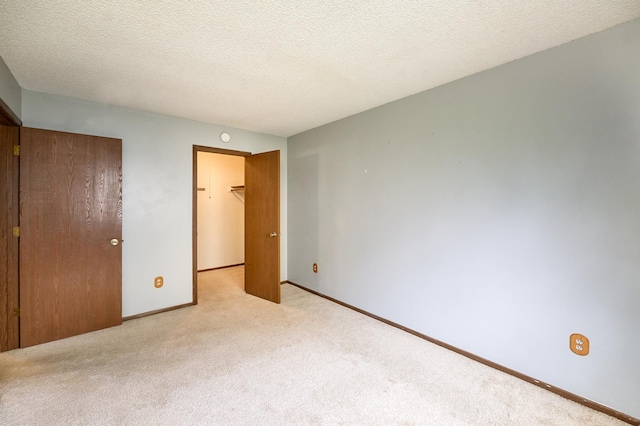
(71, 230)
(262, 225)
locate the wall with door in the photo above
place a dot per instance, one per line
(499, 213)
(157, 195)
(220, 210)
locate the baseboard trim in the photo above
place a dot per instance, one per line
(157, 311)
(563, 393)
(220, 267)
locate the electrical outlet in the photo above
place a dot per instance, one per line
(315, 268)
(579, 344)
(158, 282)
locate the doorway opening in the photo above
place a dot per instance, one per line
(218, 210)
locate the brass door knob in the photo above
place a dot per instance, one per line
(114, 242)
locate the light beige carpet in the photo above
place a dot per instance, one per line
(236, 359)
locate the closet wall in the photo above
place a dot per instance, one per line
(220, 210)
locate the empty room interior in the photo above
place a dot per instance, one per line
(450, 179)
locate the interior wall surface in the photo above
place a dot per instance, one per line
(157, 157)
(499, 213)
(10, 91)
(220, 210)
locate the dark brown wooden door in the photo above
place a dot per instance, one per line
(9, 191)
(262, 225)
(70, 210)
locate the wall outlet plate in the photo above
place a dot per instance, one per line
(579, 344)
(158, 282)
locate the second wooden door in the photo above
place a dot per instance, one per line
(262, 225)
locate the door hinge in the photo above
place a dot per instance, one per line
(16, 231)
(16, 150)
(16, 312)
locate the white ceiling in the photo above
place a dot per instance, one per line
(283, 66)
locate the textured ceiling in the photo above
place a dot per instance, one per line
(278, 67)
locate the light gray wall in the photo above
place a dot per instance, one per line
(499, 213)
(157, 187)
(10, 90)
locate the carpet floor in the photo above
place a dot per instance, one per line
(236, 359)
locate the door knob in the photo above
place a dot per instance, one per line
(114, 242)
(273, 234)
